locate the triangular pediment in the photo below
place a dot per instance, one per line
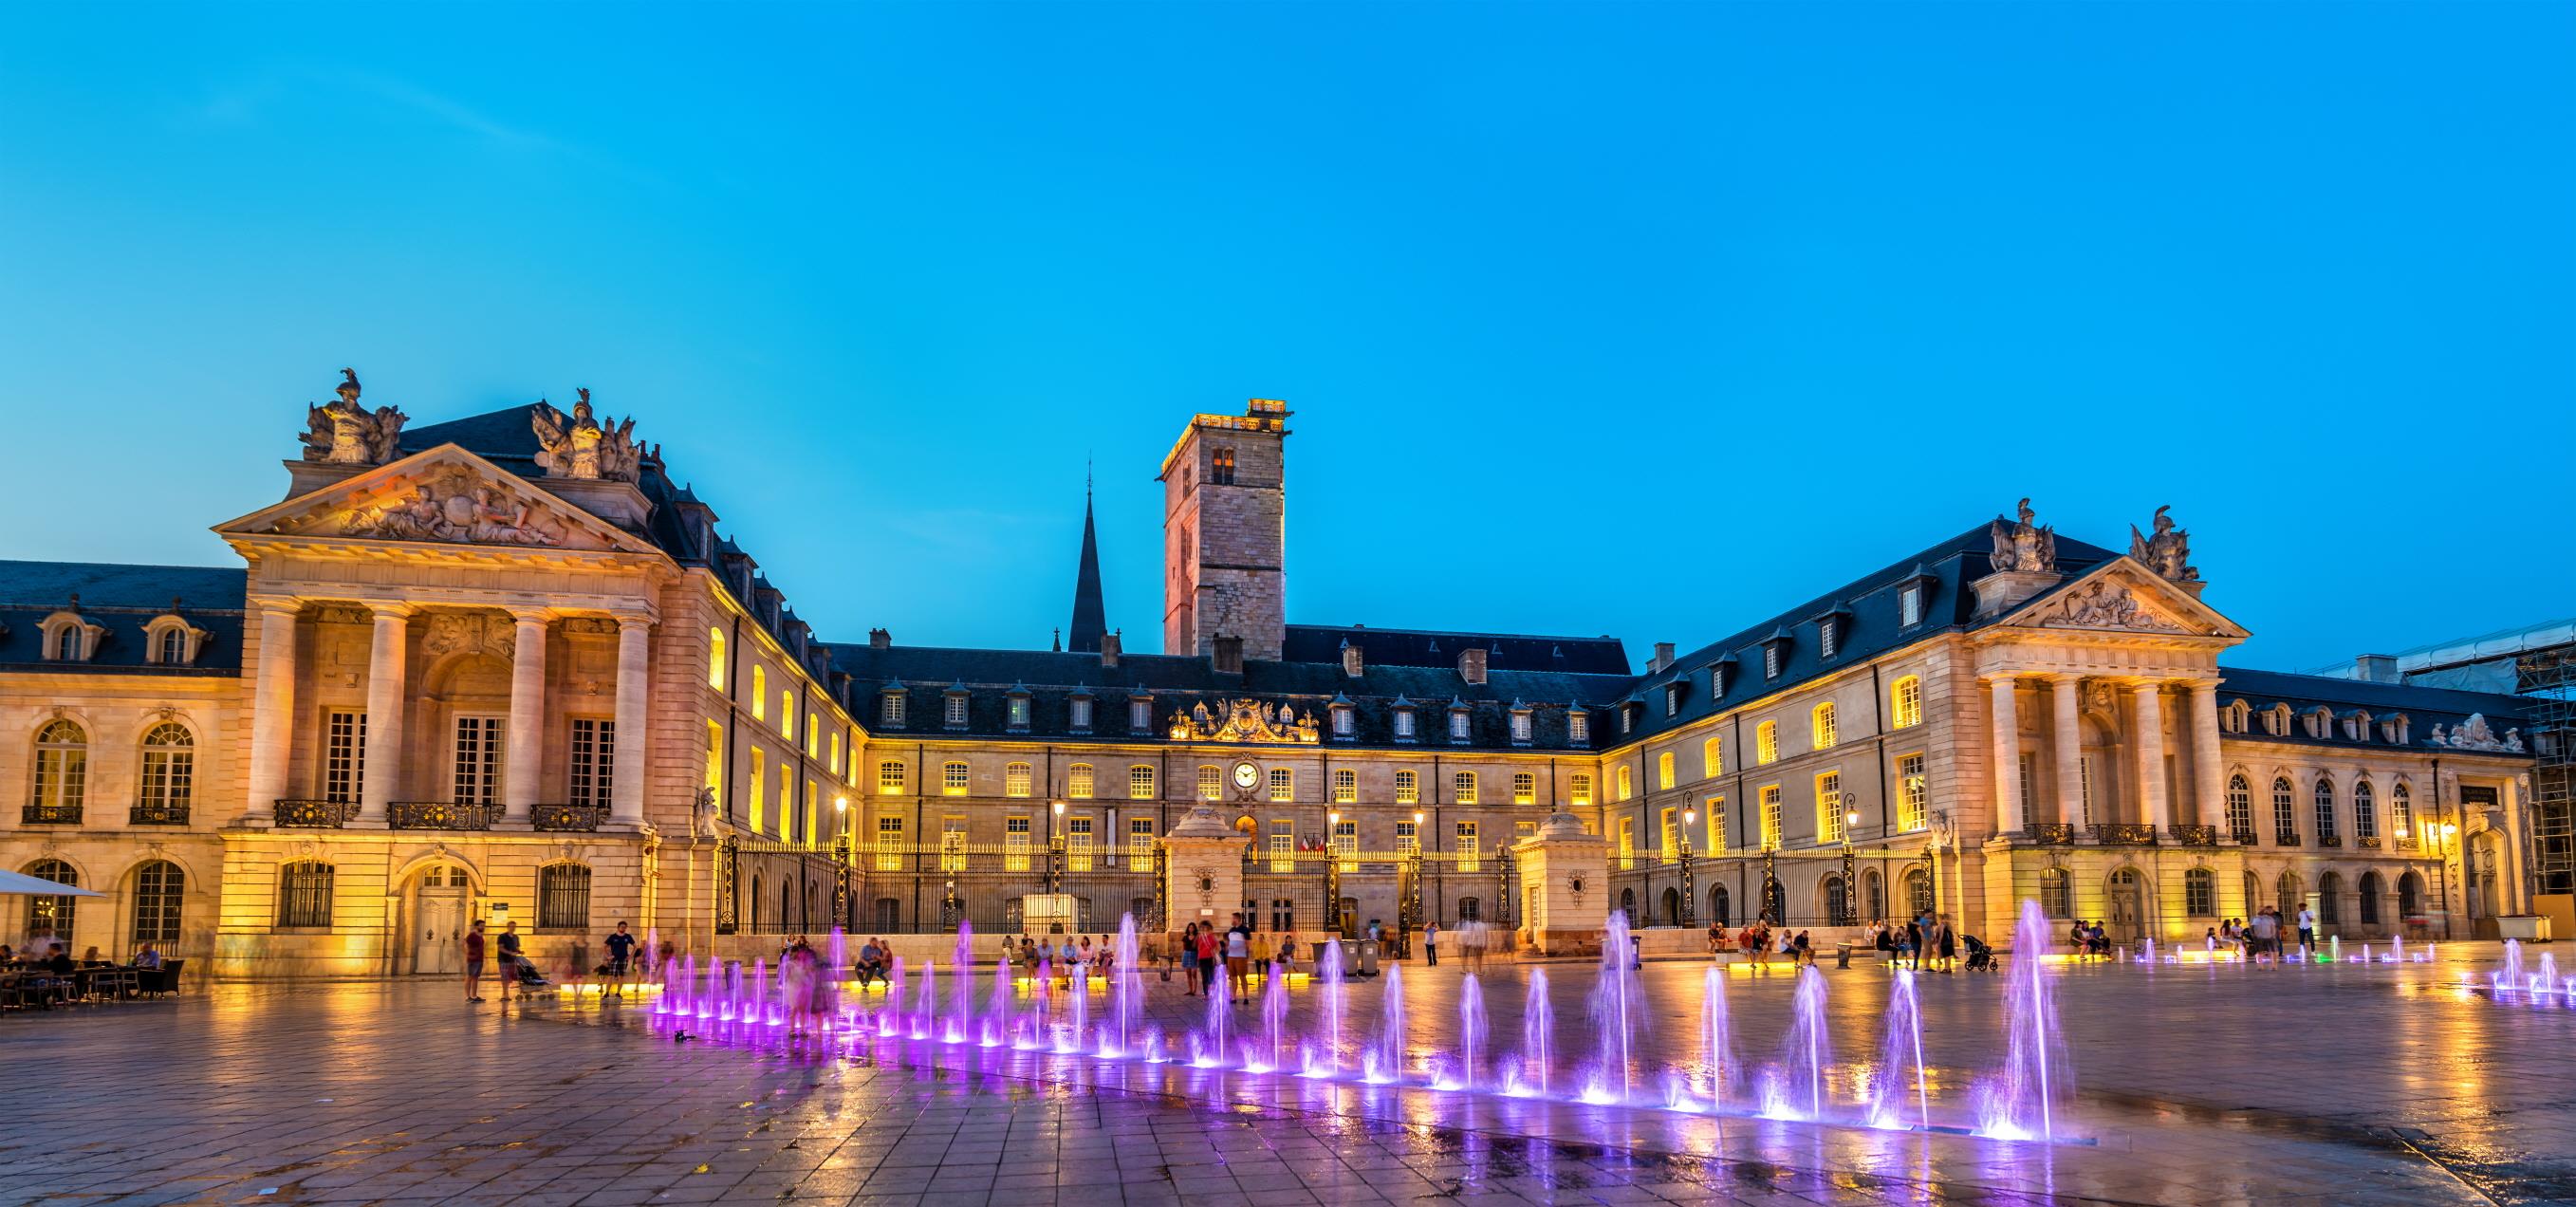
(2123, 596)
(444, 496)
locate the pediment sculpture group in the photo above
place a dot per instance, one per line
(576, 445)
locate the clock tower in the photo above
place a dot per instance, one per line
(1225, 532)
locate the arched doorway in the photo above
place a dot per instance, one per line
(2097, 775)
(2330, 899)
(439, 906)
(1837, 901)
(2293, 894)
(1719, 906)
(1918, 892)
(1628, 905)
(52, 918)
(1672, 911)
(2410, 899)
(2370, 901)
(2128, 906)
(1873, 895)
(2481, 880)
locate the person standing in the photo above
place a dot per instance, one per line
(1190, 960)
(1207, 959)
(474, 961)
(1949, 939)
(1238, 959)
(1431, 944)
(2307, 933)
(509, 944)
(621, 953)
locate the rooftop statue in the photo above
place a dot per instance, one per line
(2024, 546)
(344, 433)
(577, 446)
(2167, 552)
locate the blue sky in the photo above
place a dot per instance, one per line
(1645, 320)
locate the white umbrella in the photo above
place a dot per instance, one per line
(18, 884)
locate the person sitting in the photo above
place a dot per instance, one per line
(871, 965)
(148, 957)
(93, 958)
(1802, 949)
(58, 961)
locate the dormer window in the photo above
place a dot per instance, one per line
(1909, 605)
(1458, 724)
(1079, 715)
(68, 644)
(954, 716)
(1829, 634)
(1403, 721)
(2392, 729)
(68, 638)
(171, 649)
(1520, 725)
(1672, 699)
(1775, 654)
(1346, 720)
(1140, 714)
(890, 708)
(1628, 717)
(1016, 712)
(2276, 720)
(2318, 722)
(1578, 727)
(2236, 716)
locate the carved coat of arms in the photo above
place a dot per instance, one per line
(1253, 721)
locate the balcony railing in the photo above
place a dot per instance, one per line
(567, 818)
(2052, 833)
(158, 813)
(2370, 843)
(2285, 838)
(441, 815)
(2242, 834)
(2329, 840)
(2196, 836)
(53, 815)
(2406, 842)
(314, 814)
(2124, 833)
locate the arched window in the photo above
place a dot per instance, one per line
(2410, 896)
(1766, 743)
(2200, 893)
(1015, 779)
(2370, 891)
(563, 897)
(1712, 759)
(755, 902)
(2330, 897)
(2401, 813)
(62, 772)
(2053, 897)
(715, 658)
(2240, 808)
(1837, 902)
(1918, 892)
(2285, 813)
(1627, 785)
(1664, 770)
(172, 647)
(2293, 894)
(2325, 799)
(2365, 813)
(169, 772)
(1822, 722)
(1719, 906)
(304, 895)
(952, 778)
(158, 889)
(1078, 780)
(67, 643)
(50, 918)
(1873, 894)
(1628, 905)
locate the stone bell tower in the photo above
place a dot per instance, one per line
(1225, 517)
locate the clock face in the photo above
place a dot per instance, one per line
(1246, 775)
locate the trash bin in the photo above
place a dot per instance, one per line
(1842, 955)
(1368, 957)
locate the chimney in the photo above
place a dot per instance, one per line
(1226, 652)
(1109, 650)
(879, 639)
(1471, 666)
(1353, 666)
(2376, 668)
(1663, 657)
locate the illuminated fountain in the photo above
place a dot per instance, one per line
(1795, 1087)
(1385, 1061)
(1618, 1009)
(1272, 1055)
(1213, 1042)
(1325, 1059)
(1538, 1039)
(2021, 1104)
(1126, 994)
(997, 1006)
(1901, 1049)
(890, 1015)
(1463, 1071)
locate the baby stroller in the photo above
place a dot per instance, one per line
(525, 970)
(1981, 958)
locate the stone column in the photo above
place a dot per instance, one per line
(522, 782)
(2154, 803)
(2007, 736)
(2208, 765)
(2066, 700)
(385, 698)
(626, 796)
(272, 718)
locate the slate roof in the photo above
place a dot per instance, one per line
(122, 599)
(1417, 647)
(2424, 707)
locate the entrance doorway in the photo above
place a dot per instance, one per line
(439, 942)
(2127, 922)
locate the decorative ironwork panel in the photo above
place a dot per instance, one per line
(2285, 838)
(2368, 844)
(52, 815)
(2405, 842)
(1507, 876)
(2329, 840)
(841, 883)
(1162, 906)
(2052, 833)
(728, 883)
(566, 818)
(163, 814)
(440, 815)
(2196, 836)
(2124, 833)
(314, 814)
(2246, 837)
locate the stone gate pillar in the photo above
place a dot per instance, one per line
(1202, 871)
(1565, 887)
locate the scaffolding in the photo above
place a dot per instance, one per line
(2547, 677)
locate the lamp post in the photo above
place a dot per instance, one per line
(1411, 917)
(1690, 821)
(948, 905)
(1333, 871)
(1055, 848)
(2446, 837)
(1851, 878)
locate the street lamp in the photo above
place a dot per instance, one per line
(1412, 913)
(2445, 839)
(1055, 849)
(1333, 871)
(1851, 881)
(1690, 821)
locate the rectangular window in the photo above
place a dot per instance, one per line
(1081, 716)
(1524, 829)
(890, 843)
(1346, 787)
(1827, 639)
(715, 758)
(1015, 844)
(1520, 729)
(956, 715)
(952, 844)
(836, 750)
(1913, 795)
(1578, 787)
(1716, 807)
(1140, 782)
(1015, 779)
(594, 753)
(1462, 787)
(1627, 843)
(476, 768)
(2029, 782)
(1771, 661)
(1578, 727)
(1524, 788)
(890, 778)
(1404, 724)
(1666, 845)
(1016, 712)
(1283, 784)
(1078, 781)
(1470, 852)
(786, 801)
(813, 737)
(1140, 841)
(1345, 723)
(1771, 817)
(1346, 844)
(344, 756)
(1140, 716)
(1211, 782)
(890, 710)
(1766, 742)
(1408, 789)
(759, 799)
(1458, 725)
(1077, 844)
(952, 779)
(1664, 770)
(1406, 841)
(1909, 606)
(1829, 807)
(1283, 846)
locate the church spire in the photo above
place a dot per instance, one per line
(1090, 620)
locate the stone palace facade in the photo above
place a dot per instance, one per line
(504, 667)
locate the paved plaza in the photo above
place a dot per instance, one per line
(2340, 1084)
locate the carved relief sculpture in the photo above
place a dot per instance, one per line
(470, 632)
(2024, 546)
(2168, 551)
(455, 504)
(578, 446)
(344, 433)
(2104, 606)
(2473, 734)
(1251, 721)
